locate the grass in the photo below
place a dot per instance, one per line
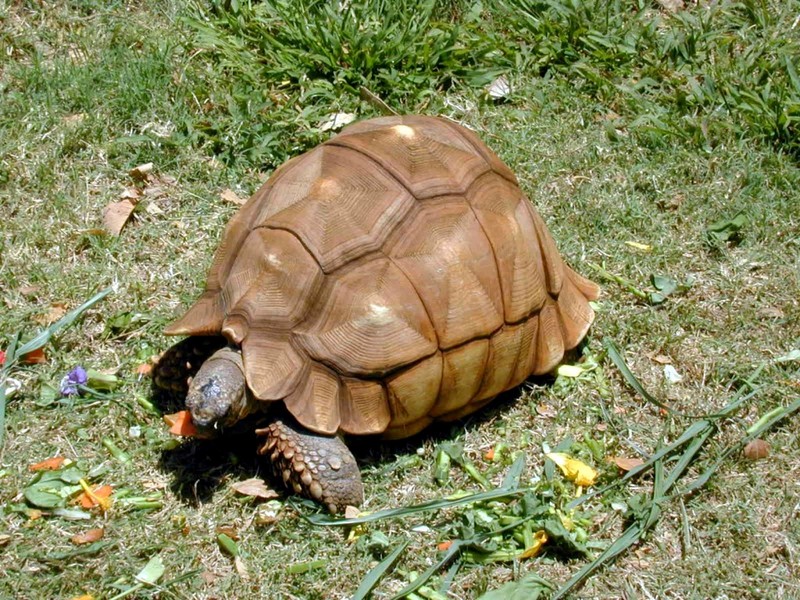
(623, 124)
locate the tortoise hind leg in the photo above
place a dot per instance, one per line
(316, 466)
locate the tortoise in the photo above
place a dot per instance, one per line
(391, 277)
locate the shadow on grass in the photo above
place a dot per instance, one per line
(201, 466)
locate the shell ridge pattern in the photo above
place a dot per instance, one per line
(338, 203)
(480, 148)
(422, 302)
(491, 246)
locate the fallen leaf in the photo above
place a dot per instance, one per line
(50, 464)
(545, 410)
(671, 5)
(53, 314)
(129, 194)
(241, 568)
(116, 214)
(336, 121)
(573, 469)
(29, 290)
(626, 464)
(771, 312)
(499, 88)
(229, 531)
(254, 487)
(539, 540)
(35, 357)
(672, 375)
(153, 209)
(756, 449)
(100, 496)
(444, 546)
(88, 537)
(75, 119)
(141, 172)
(180, 423)
(154, 191)
(228, 195)
(660, 359)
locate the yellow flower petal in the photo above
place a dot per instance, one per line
(573, 469)
(539, 540)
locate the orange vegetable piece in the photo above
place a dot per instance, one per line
(180, 423)
(100, 496)
(34, 357)
(50, 464)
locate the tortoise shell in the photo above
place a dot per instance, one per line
(392, 276)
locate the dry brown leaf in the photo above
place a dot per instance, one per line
(230, 196)
(29, 290)
(53, 314)
(116, 214)
(129, 194)
(229, 531)
(141, 172)
(154, 191)
(75, 119)
(771, 312)
(50, 464)
(626, 464)
(756, 449)
(153, 209)
(254, 487)
(241, 569)
(660, 358)
(545, 410)
(87, 537)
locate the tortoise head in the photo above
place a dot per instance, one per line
(217, 393)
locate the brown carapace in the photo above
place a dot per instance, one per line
(392, 276)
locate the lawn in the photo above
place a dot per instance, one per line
(658, 141)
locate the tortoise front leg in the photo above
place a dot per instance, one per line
(316, 466)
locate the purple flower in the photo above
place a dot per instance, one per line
(70, 383)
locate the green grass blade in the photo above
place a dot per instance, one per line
(405, 511)
(374, 576)
(703, 478)
(44, 336)
(450, 555)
